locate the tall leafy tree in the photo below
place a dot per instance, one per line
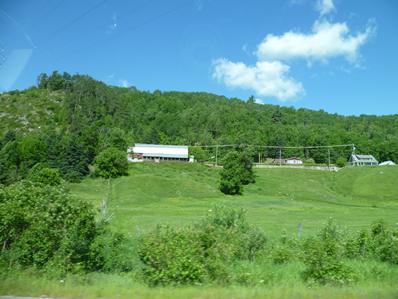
(237, 171)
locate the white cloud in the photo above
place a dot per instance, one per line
(325, 7)
(327, 40)
(269, 77)
(266, 78)
(124, 83)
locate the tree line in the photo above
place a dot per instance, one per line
(80, 117)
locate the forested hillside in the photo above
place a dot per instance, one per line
(65, 121)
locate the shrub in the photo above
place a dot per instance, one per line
(172, 257)
(357, 246)
(111, 252)
(380, 243)
(39, 222)
(323, 258)
(43, 226)
(199, 153)
(111, 163)
(282, 254)
(384, 243)
(45, 175)
(309, 161)
(229, 227)
(202, 252)
(341, 162)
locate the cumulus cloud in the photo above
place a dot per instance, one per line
(269, 76)
(327, 40)
(325, 7)
(266, 78)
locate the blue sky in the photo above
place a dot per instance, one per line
(339, 56)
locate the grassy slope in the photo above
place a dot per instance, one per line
(29, 109)
(178, 193)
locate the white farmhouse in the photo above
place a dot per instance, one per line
(293, 161)
(157, 152)
(363, 160)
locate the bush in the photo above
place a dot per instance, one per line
(282, 254)
(45, 175)
(199, 153)
(384, 243)
(309, 161)
(380, 243)
(111, 163)
(39, 222)
(172, 257)
(43, 226)
(341, 162)
(323, 258)
(202, 252)
(111, 252)
(229, 227)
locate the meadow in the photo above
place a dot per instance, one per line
(280, 201)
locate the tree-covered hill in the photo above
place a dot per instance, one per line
(69, 119)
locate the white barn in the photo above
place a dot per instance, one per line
(363, 160)
(157, 152)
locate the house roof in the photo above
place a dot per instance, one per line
(363, 158)
(159, 145)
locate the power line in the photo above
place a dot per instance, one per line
(138, 26)
(55, 33)
(274, 146)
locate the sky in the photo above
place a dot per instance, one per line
(335, 55)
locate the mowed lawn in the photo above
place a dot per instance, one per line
(179, 193)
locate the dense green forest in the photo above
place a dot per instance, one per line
(65, 121)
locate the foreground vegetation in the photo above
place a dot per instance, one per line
(347, 258)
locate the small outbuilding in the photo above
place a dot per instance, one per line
(157, 152)
(387, 163)
(363, 160)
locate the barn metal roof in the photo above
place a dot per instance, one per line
(159, 145)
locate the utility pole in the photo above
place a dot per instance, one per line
(329, 158)
(280, 156)
(216, 153)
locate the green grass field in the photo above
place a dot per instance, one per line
(181, 193)
(178, 194)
